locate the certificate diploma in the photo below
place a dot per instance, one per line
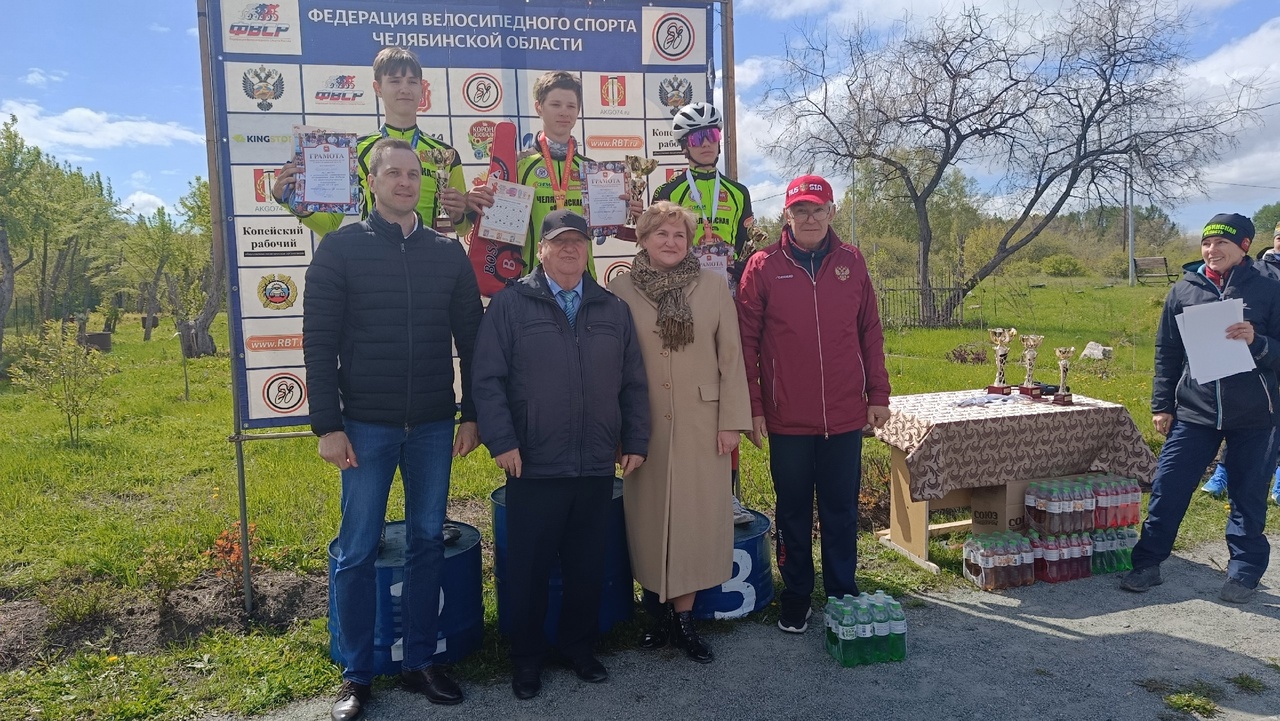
(604, 189)
(507, 221)
(327, 180)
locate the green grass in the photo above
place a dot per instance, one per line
(1248, 684)
(153, 484)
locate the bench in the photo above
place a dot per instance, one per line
(1153, 267)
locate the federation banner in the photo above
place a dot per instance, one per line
(309, 62)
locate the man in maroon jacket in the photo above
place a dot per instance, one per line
(815, 367)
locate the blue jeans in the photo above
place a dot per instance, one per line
(1250, 458)
(423, 454)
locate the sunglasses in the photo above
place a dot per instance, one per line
(701, 137)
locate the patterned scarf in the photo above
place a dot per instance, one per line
(675, 318)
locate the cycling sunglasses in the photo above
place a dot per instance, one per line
(703, 136)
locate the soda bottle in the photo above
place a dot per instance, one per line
(865, 631)
(847, 651)
(831, 616)
(880, 619)
(987, 556)
(1028, 561)
(1099, 552)
(1112, 554)
(1073, 557)
(1005, 569)
(1029, 502)
(897, 632)
(1041, 522)
(1054, 525)
(1037, 550)
(1135, 508)
(1086, 556)
(1052, 556)
(1131, 540)
(1103, 506)
(1090, 506)
(1119, 505)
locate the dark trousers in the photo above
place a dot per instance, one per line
(832, 467)
(1249, 457)
(550, 519)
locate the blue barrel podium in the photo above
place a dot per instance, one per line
(461, 607)
(750, 588)
(616, 597)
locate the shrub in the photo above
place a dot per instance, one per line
(1062, 266)
(58, 369)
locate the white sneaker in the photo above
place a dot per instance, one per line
(741, 516)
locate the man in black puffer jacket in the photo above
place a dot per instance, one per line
(1240, 409)
(386, 299)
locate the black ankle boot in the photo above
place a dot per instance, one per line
(685, 636)
(657, 632)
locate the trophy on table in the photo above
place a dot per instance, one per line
(1001, 338)
(1063, 396)
(1029, 345)
(443, 160)
(638, 169)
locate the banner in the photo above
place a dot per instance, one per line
(304, 62)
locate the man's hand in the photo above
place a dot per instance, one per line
(1163, 422)
(877, 416)
(726, 441)
(466, 440)
(634, 207)
(630, 462)
(284, 180)
(479, 198)
(454, 203)
(336, 449)
(1241, 331)
(758, 432)
(510, 462)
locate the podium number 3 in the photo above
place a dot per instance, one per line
(738, 584)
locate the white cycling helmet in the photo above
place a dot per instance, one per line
(694, 116)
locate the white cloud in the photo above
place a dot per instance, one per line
(193, 32)
(142, 203)
(82, 128)
(140, 179)
(39, 78)
(751, 71)
(157, 28)
(882, 12)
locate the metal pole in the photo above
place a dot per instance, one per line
(730, 90)
(219, 241)
(1129, 203)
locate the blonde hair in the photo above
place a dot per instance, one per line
(661, 213)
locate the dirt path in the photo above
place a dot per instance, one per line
(1071, 651)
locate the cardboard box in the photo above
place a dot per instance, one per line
(999, 508)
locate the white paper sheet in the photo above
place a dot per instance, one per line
(1210, 353)
(508, 220)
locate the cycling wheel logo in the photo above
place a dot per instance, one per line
(673, 37)
(482, 92)
(284, 393)
(617, 268)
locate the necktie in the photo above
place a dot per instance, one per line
(570, 301)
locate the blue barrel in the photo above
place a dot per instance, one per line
(461, 607)
(751, 587)
(616, 597)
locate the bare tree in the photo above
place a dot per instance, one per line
(1056, 109)
(197, 340)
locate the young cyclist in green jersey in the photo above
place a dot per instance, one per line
(723, 209)
(721, 204)
(397, 79)
(553, 166)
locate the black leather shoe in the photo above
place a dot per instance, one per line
(590, 670)
(526, 682)
(433, 683)
(685, 636)
(352, 698)
(658, 632)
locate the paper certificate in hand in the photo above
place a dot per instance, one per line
(327, 180)
(604, 187)
(508, 220)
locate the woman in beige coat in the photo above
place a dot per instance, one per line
(679, 523)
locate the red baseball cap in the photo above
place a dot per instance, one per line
(808, 189)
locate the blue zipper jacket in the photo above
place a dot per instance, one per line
(1244, 400)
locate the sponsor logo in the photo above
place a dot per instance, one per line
(541, 172)
(425, 103)
(663, 144)
(504, 262)
(675, 92)
(482, 92)
(284, 393)
(785, 277)
(274, 242)
(842, 273)
(339, 89)
(268, 343)
(480, 135)
(263, 179)
(277, 292)
(674, 172)
(262, 139)
(615, 269)
(264, 85)
(259, 21)
(615, 142)
(815, 187)
(673, 37)
(613, 91)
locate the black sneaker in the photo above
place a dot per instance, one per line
(795, 619)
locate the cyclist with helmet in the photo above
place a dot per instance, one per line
(722, 207)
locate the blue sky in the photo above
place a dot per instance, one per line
(115, 87)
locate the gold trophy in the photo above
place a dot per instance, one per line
(442, 158)
(638, 169)
(1029, 345)
(1001, 338)
(1063, 396)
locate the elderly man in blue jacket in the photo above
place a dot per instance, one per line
(1240, 409)
(561, 395)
